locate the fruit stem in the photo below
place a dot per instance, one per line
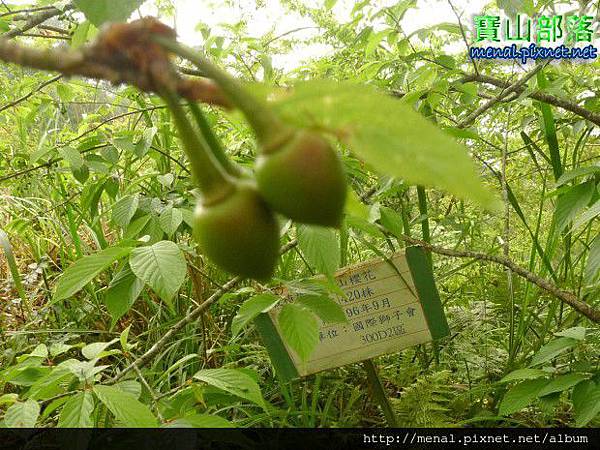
(208, 173)
(269, 129)
(213, 141)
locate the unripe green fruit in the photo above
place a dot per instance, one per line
(304, 179)
(239, 233)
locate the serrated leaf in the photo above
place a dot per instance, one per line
(325, 308)
(100, 11)
(92, 350)
(130, 386)
(562, 383)
(389, 135)
(125, 407)
(320, 246)
(40, 351)
(50, 384)
(170, 219)
(234, 381)
(161, 266)
(73, 157)
(552, 349)
(122, 292)
(524, 374)
(586, 402)
(299, 329)
(84, 270)
(22, 414)
(520, 395)
(110, 154)
(166, 180)
(77, 412)
(124, 143)
(124, 210)
(250, 309)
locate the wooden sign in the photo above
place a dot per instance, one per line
(390, 305)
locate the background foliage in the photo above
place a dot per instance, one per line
(88, 169)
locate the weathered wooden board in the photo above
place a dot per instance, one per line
(390, 305)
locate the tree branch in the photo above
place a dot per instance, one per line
(506, 91)
(29, 94)
(564, 296)
(85, 63)
(567, 105)
(35, 20)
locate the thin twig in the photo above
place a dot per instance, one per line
(35, 21)
(153, 395)
(567, 297)
(462, 32)
(29, 94)
(505, 92)
(190, 317)
(567, 105)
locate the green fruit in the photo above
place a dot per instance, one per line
(239, 233)
(304, 179)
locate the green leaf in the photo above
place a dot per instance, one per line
(575, 173)
(234, 381)
(130, 386)
(592, 268)
(125, 407)
(327, 309)
(141, 148)
(84, 270)
(299, 328)
(562, 383)
(93, 350)
(250, 309)
(571, 202)
(22, 414)
(586, 402)
(73, 157)
(320, 246)
(161, 266)
(391, 220)
(524, 374)
(201, 421)
(122, 292)
(77, 412)
(40, 351)
(100, 11)
(170, 219)
(51, 384)
(355, 207)
(573, 333)
(124, 210)
(389, 135)
(110, 154)
(552, 349)
(520, 395)
(591, 213)
(81, 33)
